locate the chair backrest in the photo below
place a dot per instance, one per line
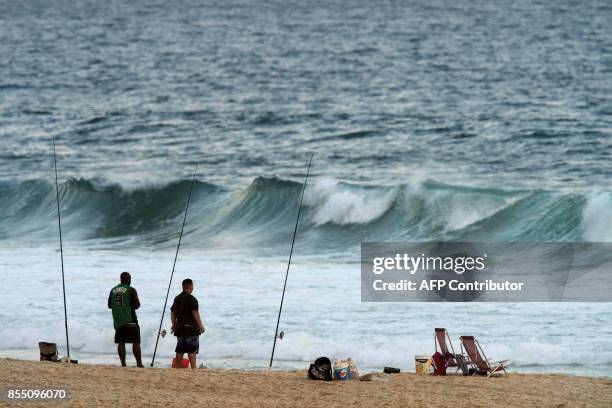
(440, 340)
(470, 345)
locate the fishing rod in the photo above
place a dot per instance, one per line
(297, 221)
(174, 264)
(59, 224)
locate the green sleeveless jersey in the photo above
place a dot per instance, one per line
(121, 304)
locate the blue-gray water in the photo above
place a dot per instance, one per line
(467, 92)
(427, 120)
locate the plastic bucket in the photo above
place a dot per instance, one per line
(184, 363)
(342, 371)
(422, 364)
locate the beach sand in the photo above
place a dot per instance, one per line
(98, 385)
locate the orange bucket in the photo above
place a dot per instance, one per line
(184, 363)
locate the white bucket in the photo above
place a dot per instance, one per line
(422, 363)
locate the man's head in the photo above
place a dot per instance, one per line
(188, 286)
(126, 278)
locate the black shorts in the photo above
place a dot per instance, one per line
(128, 333)
(187, 344)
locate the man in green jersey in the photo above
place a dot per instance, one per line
(123, 300)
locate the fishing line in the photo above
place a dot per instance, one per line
(297, 221)
(174, 264)
(59, 224)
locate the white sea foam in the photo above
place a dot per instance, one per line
(463, 215)
(597, 218)
(334, 204)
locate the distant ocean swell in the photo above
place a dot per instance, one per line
(336, 215)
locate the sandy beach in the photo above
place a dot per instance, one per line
(93, 385)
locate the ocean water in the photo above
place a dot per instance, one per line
(428, 120)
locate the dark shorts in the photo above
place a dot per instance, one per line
(128, 333)
(187, 344)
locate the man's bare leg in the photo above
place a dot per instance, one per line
(192, 359)
(137, 354)
(121, 352)
(179, 360)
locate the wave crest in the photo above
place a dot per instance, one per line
(335, 215)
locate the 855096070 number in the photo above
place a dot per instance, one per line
(34, 394)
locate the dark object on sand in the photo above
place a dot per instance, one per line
(321, 370)
(439, 364)
(48, 351)
(391, 370)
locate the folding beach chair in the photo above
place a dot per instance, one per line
(478, 360)
(442, 340)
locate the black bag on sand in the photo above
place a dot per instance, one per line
(321, 370)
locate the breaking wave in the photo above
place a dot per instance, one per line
(336, 215)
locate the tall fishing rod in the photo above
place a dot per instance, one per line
(174, 264)
(59, 224)
(297, 222)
